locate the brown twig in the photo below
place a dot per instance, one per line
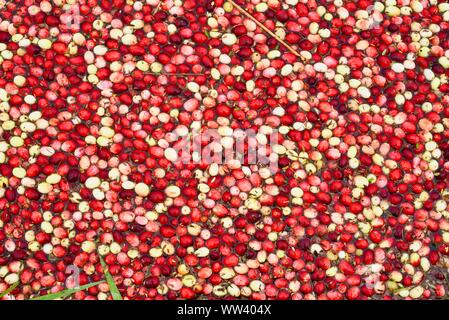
(239, 8)
(157, 8)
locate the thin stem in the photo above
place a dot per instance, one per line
(157, 8)
(239, 8)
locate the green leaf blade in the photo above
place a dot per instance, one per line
(112, 286)
(11, 288)
(67, 293)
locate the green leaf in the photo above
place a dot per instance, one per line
(67, 293)
(11, 288)
(112, 286)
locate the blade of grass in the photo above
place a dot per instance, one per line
(112, 286)
(11, 288)
(261, 25)
(67, 293)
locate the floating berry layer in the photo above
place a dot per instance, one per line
(102, 195)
